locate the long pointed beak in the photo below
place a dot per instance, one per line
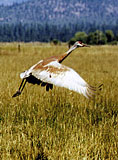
(85, 45)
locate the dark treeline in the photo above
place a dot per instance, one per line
(35, 32)
(47, 32)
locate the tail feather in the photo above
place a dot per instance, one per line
(92, 91)
(96, 88)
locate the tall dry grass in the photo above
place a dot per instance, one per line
(58, 124)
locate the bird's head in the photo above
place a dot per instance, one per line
(76, 45)
(80, 44)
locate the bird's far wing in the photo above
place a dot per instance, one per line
(62, 76)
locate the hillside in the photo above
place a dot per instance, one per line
(11, 2)
(62, 11)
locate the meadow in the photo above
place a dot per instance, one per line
(59, 124)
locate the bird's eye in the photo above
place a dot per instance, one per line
(80, 42)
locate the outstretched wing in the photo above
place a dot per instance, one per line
(62, 76)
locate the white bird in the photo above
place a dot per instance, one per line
(49, 72)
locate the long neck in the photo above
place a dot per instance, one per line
(67, 53)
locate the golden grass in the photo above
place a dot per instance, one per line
(59, 124)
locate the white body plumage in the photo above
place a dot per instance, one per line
(61, 76)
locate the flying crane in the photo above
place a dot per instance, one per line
(50, 71)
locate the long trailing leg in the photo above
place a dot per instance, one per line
(23, 86)
(20, 88)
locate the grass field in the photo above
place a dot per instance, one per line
(59, 124)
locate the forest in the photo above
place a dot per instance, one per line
(45, 21)
(30, 32)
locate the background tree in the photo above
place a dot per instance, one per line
(81, 36)
(55, 41)
(90, 38)
(71, 42)
(110, 35)
(97, 37)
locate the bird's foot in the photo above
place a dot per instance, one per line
(16, 94)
